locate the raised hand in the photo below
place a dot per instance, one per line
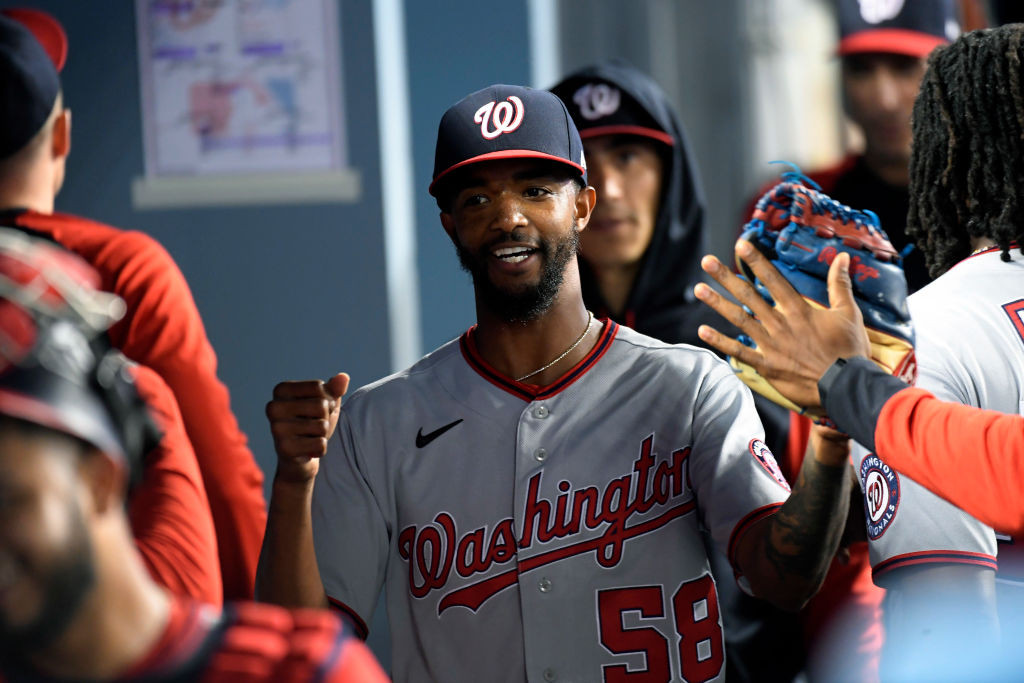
(796, 342)
(302, 418)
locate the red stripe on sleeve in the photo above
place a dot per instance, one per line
(934, 557)
(354, 620)
(744, 525)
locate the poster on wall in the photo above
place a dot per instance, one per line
(241, 98)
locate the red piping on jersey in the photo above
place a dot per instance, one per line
(529, 392)
(934, 557)
(474, 595)
(744, 524)
(358, 625)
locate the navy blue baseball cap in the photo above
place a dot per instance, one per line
(33, 47)
(599, 107)
(904, 27)
(506, 122)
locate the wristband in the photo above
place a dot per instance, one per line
(853, 392)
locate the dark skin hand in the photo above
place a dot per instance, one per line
(796, 342)
(302, 418)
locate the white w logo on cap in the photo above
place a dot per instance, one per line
(877, 11)
(596, 100)
(505, 117)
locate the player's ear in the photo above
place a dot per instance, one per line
(448, 222)
(586, 200)
(60, 145)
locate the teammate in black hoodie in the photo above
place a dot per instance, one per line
(640, 269)
(641, 256)
(615, 103)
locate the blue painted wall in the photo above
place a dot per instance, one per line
(286, 292)
(453, 51)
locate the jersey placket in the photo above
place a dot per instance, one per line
(543, 586)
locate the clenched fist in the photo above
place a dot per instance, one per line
(302, 418)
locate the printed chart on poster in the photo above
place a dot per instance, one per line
(234, 91)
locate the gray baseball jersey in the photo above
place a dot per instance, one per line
(544, 533)
(969, 325)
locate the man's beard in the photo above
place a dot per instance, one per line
(65, 585)
(528, 302)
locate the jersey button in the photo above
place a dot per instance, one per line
(544, 585)
(540, 455)
(550, 675)
(540, 412)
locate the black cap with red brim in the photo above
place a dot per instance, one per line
(33, 47)
(602, 108)
(506, 122)
(912, 27)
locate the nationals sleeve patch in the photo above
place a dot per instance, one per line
(759, 449)
(881, 486)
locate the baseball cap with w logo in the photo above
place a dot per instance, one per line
(904, 27)
(600, 107)
(506, 122)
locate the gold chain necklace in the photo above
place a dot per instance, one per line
(590, 322)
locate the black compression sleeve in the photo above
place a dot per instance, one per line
(853, 392)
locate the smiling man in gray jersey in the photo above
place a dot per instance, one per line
(532, 493)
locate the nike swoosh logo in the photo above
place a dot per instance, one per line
(423, 439)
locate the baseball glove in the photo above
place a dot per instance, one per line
(801, 230)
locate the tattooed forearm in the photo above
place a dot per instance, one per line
(805, 532)
(785, 556)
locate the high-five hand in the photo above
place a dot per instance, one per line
(796, 342)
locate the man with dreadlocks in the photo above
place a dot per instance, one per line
(967, 215)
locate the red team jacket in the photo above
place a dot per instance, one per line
(169, 513)
(246, 642)
(921, 436)
(163, 331)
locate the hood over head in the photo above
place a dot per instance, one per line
(614, 98)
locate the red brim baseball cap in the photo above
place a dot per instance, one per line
(506, 122)
(890, 41)
(33, 47)
(46, 29)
